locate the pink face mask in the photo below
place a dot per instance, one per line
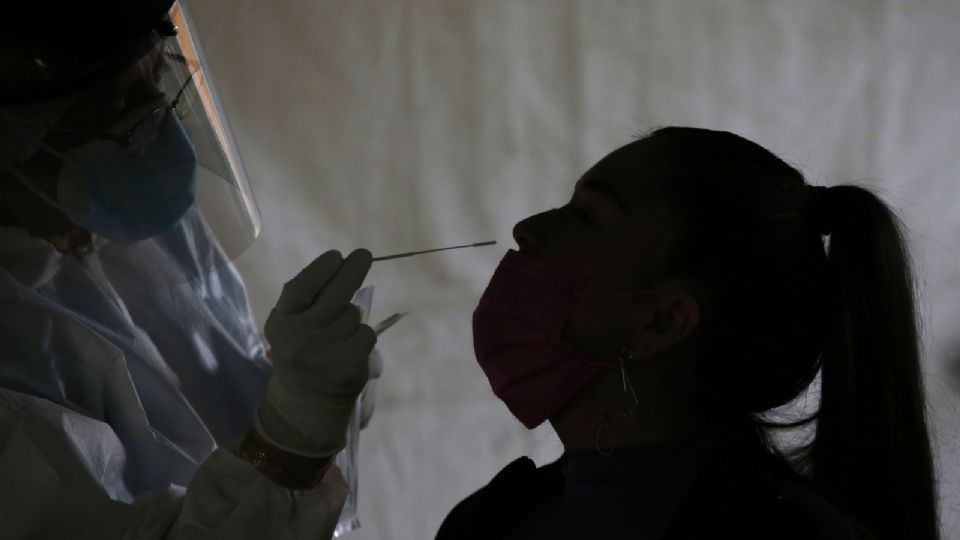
(517, 336)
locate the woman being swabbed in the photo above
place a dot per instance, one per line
(684, 291)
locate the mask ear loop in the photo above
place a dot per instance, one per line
(26, 183)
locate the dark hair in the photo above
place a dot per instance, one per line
(778, 307)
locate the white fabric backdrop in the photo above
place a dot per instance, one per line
(400, 125)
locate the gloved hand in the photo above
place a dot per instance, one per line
(319, 351)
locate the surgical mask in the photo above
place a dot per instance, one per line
(517, 336)
(121, 197)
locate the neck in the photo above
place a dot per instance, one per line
(655, 420)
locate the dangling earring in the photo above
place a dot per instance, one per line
(625, 357)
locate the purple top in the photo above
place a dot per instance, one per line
(633, 493)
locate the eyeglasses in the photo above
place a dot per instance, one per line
(136, 140)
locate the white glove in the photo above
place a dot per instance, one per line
(319, 351)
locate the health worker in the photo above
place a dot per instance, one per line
(136, 396)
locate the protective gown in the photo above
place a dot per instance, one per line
(127, 378)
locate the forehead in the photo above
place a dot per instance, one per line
(647, 236)
(630, 169)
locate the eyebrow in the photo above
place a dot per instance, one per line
(607, 191)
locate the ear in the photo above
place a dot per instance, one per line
(670, 321)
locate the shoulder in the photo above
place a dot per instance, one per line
(804, 504)
(497, 507)
(757, 498)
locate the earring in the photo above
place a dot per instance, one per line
(626, 357)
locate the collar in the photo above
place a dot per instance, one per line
(639, 488)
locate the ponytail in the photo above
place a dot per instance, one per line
(872, 452)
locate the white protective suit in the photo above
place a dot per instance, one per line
(117, 387)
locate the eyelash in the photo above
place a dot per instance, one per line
(581, 214)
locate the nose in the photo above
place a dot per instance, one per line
(521, 234)
(528, 239)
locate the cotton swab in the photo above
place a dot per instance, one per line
(412, 253)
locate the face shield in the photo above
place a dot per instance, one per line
(106, 109)
(223, 195)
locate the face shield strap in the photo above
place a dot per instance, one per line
(46, 77)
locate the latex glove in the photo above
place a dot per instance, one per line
(320, 349)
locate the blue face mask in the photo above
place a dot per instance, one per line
(125, 198)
